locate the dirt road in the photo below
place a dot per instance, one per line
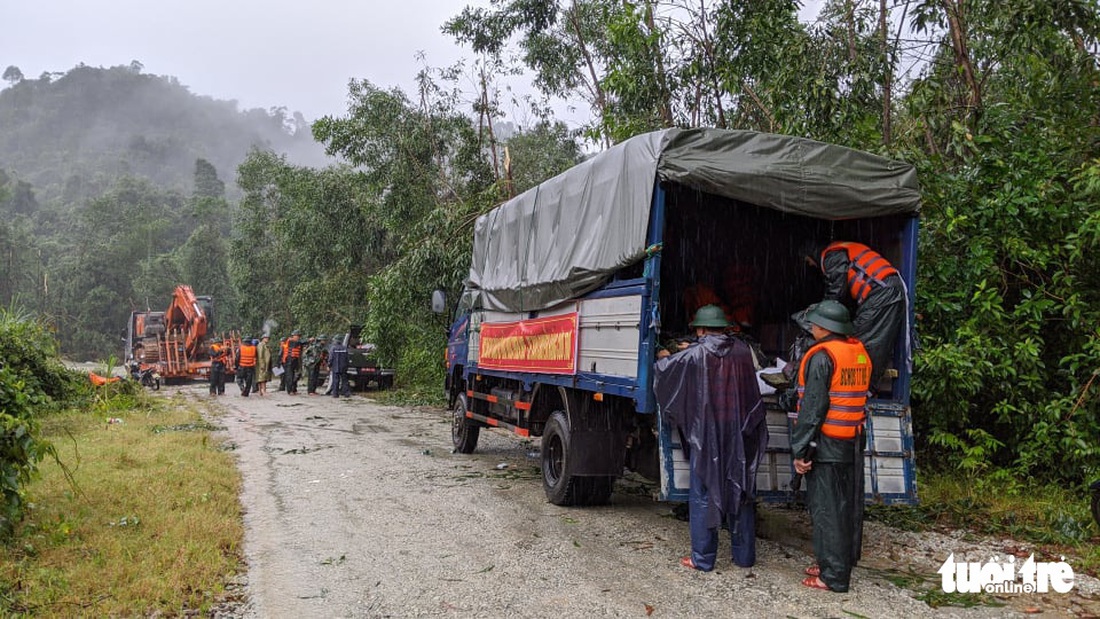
(359, 510)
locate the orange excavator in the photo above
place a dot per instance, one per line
(174, 342)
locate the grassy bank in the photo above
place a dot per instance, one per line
(149, 524)
(1054, 519)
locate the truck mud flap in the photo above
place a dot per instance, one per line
(598, 453)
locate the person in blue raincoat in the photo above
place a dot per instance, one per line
(709, 392)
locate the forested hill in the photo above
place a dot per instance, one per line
(70, 135)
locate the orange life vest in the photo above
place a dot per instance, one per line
(218, 353)
(99, 381)
(848, 388)
(296, 350)
(865, 267)
(285, 345)
(248, 356)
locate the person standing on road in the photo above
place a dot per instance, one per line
(310, 363)
(246, 365)
(709, 392)
(284, 360)
(294, 362)
(860, 278)
(338, 363)
(314, 359)
(263, 364)
(833, 379)
(219, 352)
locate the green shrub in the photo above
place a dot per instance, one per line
(32, 381)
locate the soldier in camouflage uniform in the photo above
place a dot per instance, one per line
(314, 358)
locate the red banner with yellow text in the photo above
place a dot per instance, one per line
(538, 345)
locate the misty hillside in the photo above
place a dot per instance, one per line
(71, 135)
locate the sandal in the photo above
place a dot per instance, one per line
(688, 563)
(813, 570)
(814, 582)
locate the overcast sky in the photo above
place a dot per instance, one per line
(262, 53)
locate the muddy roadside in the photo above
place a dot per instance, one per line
(353, 509)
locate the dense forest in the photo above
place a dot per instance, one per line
(996, 104)
(111, 192)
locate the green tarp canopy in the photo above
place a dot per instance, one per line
(568, 235)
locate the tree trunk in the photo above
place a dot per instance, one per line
(665, 104)
(956, 24)
(887, 75)
(708, 47)
(594, 87)
(851, 18)
(487, 112)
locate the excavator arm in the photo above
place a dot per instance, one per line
(186, 315)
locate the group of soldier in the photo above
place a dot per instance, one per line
(708, 392)
(257, 361)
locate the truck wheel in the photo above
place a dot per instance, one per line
(464, 432)
(560, 485)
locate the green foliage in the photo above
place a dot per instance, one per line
(546, 150)
(999, 117)
(93, 218)
(204, 264)
(32, 381)
(1001, 122)
(29, 352)
(305, 241)
(1010, 304)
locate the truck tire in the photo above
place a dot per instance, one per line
(464, 432)
(562, 487)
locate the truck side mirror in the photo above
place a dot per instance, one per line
(439, 301)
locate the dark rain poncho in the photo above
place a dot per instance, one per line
(878, 320)
(709, 391)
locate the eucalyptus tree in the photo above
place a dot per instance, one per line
(260, 256)
(544, 151)
(425, 176)
(653, 64)
(561, 42)
(1005, 116)
(304, 244)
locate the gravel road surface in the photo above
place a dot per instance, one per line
(353, 509)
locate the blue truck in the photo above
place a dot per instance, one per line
(576, 284)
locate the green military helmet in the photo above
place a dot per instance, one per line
(710, 316)
(831, 315)
(295, 332)
(322, 338)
